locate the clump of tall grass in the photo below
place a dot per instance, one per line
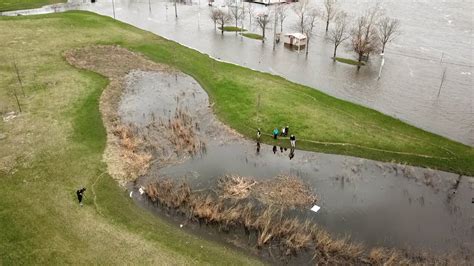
(132, 152)
(272, 226)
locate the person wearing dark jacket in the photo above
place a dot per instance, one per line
(293, 141)
(80, 195)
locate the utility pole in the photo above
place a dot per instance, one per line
(442, 81)
(113, 7)
(175, 9)
(381, 65)
(18, 77)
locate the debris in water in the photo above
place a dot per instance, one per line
(315, 208)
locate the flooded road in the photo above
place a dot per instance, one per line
(437, 36)
(378, 204)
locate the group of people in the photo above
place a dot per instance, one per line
(284, 133)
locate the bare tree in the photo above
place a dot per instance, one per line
(330, 11)
(388, 29)
(340, 32)
(262, 19)
(236, 12)
(250, 9)
(214, 15)
(282, 13)
(364, 34)
(310, 22)
(222, 17)
(301, 9)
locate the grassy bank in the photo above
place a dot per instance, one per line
(7, 5)
(253, 36)
(348, 61)
(232, 28)
(56, 144)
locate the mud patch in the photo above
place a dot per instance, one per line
(125, 155)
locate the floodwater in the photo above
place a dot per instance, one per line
(436, 37)
(378, 204)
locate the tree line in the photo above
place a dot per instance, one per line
(367, 33)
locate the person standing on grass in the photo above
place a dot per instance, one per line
(283, 132)
(293, 141)
(80, 195)
(259, 134)
(275, 133)
(287, 130)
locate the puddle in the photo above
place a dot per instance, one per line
(378, 204)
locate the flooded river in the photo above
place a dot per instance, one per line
(436, 36)
(378, 204)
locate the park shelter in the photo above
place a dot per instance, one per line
(296, 40)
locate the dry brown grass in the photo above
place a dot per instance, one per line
(233, 186)
(169, 194)
(136, 161)
(183, 135)
(284, 191)
(274, 228)
(125, 154)
(287, 191)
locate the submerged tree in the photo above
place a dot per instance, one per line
(340, 32)
(388, 29)
(250, 9)
(221, 17)
(330, 11)
(236, 12)
(262, 19)
(175, 8)
(282, 13)
(301, 9)
(364, 35)
(308, 29)
(214, 15)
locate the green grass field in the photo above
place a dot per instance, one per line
(349, 61)
(253, 36)
(232, 28)
(56, 144)
(7, 5)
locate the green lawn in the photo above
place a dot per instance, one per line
(253, 36)
(232, 28)
(56, 144)
(7, 5)
(349, 61)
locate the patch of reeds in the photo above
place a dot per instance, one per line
(233, 186)
(287, 191)
(183, 135)
(273, 226)
(137, 161)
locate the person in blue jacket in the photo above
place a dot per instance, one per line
(275, 133)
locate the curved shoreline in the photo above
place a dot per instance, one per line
(110, 101)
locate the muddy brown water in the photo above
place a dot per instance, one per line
(378, 204)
